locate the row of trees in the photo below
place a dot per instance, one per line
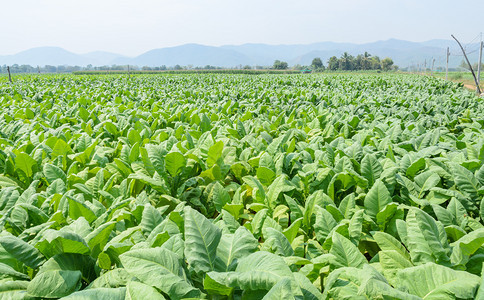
(317, 65)
(346, 62)
(44, 69)
(69, 69)
(15, 68)
(364, 61)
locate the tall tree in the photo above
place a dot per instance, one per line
(280, 65)
(366, 65)
(346, 62)
(333, 63)
(375, 63)
(387, 64)
(317, 63)
(358, 62)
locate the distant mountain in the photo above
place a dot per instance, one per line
(404, 53)
(189, 54)
(57, 56)
(102, 57)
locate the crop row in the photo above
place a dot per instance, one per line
(240, 187)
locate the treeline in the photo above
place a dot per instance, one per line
(122, 68)
(45, 69)
(70, 69)
(346, 62)
(363, 61)
(191, 71)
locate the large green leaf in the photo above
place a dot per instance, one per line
(388, 242)
(150, 218)
(233, 247)
(98, 294)
(55, 284)
(281, 290)
(72, 262)
(465, 180)
(98, 238)
(22, 251)
(160, 268)
(112, 279)
(6, 182)
(376, 199)
(432, 281)
(53, 173)
(140, 291)
(265, 175)
(26, 164)
(425, 240)
(257, 271)
(56, 242)
(426, 181)
(78, 209)
(13, 290)
(480, 292)
(364, 283)
(280, 185)
(214, 153)
(219, 196)
(346, 253)
(276, 242)
(371, 168)
(174, 162)
(201, 241)
(467, 245)
(324, 224)
(310, 292)
(6, 270)
(391, 261)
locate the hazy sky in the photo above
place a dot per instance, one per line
(135, 26)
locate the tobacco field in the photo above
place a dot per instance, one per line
(216, 186)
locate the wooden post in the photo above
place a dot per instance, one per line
(9, 76)
(470, 66)
(479, 64)
(447, 65)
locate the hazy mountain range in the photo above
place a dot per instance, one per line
(404, 53)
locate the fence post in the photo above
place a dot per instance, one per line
(9, 76)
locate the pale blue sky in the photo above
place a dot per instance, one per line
(135, 26)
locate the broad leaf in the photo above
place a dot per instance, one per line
(54, 284)
(346, 253)
(432, 281)
(376, 199)
(201, 241)
(160, 268)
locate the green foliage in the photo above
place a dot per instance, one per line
(317, 64)
(280, 65)
(364, 61)
(241, 187)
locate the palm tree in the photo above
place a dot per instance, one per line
(346, 61)
(366, 60)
